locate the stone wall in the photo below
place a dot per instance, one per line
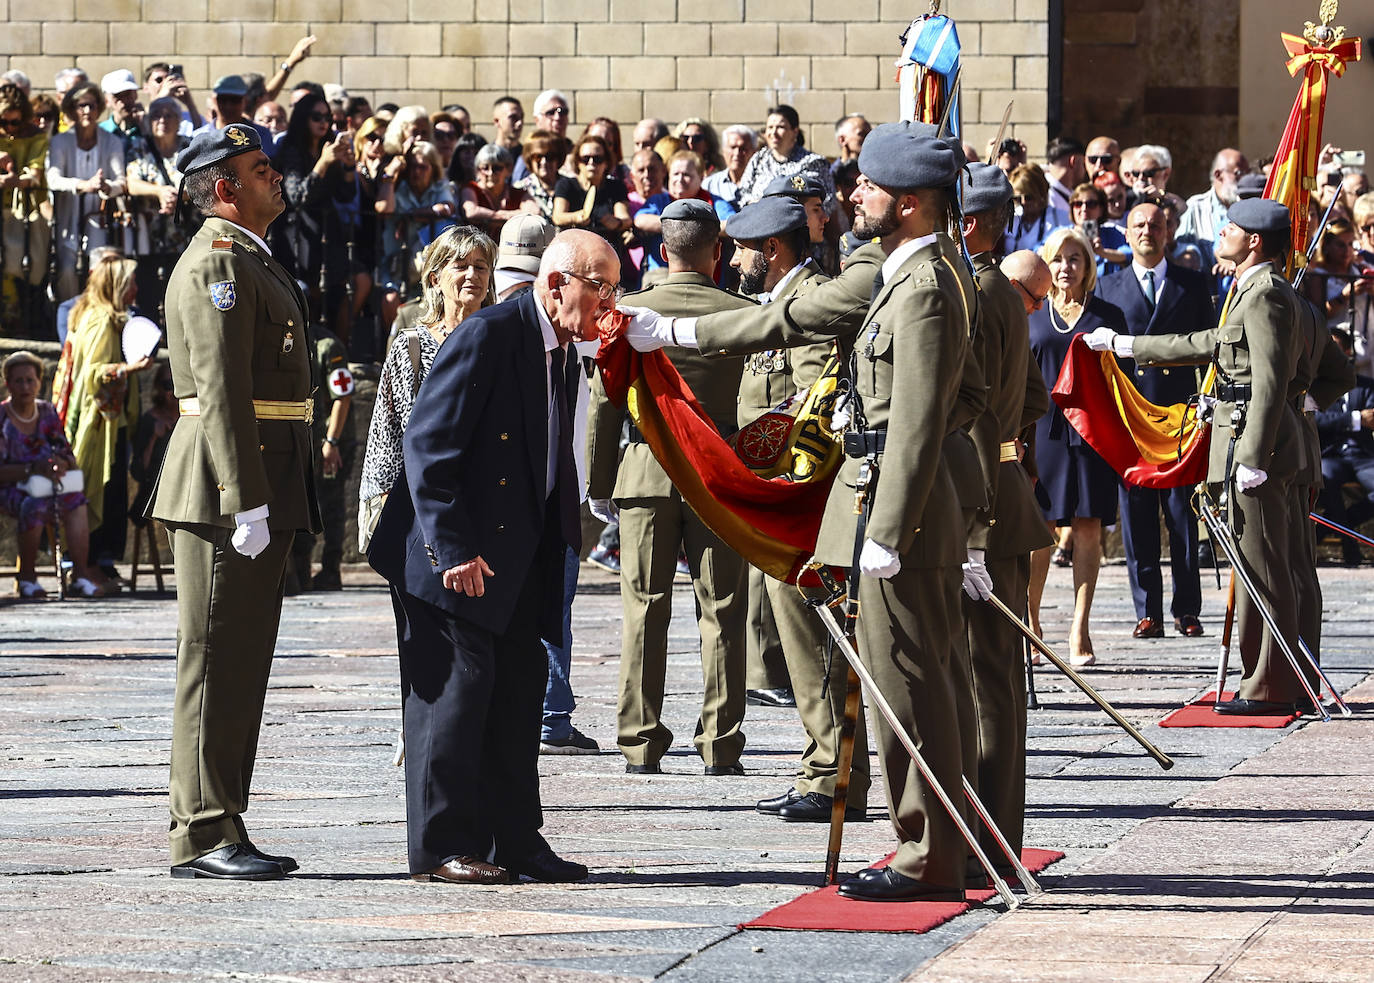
(726, 60)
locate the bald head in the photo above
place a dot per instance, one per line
(1100, 147)
(573, 272)
(1030, 275)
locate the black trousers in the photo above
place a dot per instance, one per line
(472, 703)
(1140, 509)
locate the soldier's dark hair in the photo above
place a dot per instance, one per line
(691, 241)
(200, 186)
(1275, 244)
(1061, 147)
(994, 221)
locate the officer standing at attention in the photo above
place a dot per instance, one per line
(773, 258)
(234, 488)
(910, 352)
(654, 520)
(1256, 439)
(1016, 398)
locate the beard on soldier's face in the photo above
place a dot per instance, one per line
(752, 279)
(876, 226)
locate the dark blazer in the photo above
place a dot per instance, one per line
(1333, 424)
(474, 474)
(1185, 304)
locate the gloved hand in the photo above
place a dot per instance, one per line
(647, 330)
(1100, 339)
(977, 580)
(1206, 406)
(839, 416)
(604, 509)
(876, 560)
(251, 534)
(1248, 477)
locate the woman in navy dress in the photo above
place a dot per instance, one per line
(1081, 488)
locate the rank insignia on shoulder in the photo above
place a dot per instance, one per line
(222, 244)
(222, 295)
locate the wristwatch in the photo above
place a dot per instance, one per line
(332, 441)
(286, 66)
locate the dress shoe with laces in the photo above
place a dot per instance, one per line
(235, 862)
(1254, 708)
(888, 885)
(770, 807)
(1189, 626)
(718, 770)
(548, 867)
(465, 870)
(780, 697)
(288, 864)
(814, 807)
(1148, 628)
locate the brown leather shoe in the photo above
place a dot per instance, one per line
(466, 870)
(1148, 628)
(1188, 626)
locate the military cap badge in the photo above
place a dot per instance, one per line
(237, 135)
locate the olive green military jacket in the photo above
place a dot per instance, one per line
(910, 357)
(236, 332)
(715, 382)
(1256, 345)
(1003, 342)
(1325, 374)
(772, 376)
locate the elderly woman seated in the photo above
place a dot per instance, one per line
(32, 443)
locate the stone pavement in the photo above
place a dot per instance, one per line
(1248, 861)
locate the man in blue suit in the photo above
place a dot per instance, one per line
(474, 536)
(1159, 297)
(1347, 436)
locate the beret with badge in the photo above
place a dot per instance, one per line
(769, 216)
(985, 188)
(907, 155)
(1260, 215)
(689, 210)
(212, 146)
(799, 186)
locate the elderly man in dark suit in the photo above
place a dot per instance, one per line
(474, 537)
(1159, 297)
(1347, 435)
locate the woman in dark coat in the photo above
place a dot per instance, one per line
(1080, 487)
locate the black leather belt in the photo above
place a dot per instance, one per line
(1233, 392)
(861, 443)
(635, 437)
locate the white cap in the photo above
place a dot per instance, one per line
(119, 81)
(334, 92)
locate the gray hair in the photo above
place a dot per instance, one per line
(15, 77)
(455, 242)
(73, 75)
(740, 130)
(541, 101)
(1160, 155)
(393, 142)
(493, 153)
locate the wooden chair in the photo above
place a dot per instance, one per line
(146, 533)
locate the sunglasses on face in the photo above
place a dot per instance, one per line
(1148, 174)
(555, 111)
(592, 159)
(374, 137)
(1102, 158)
(12, 124)
(86, 105)
(694, 138)
(1084, 204)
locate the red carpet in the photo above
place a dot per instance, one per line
(824, 909)
(1199, 714)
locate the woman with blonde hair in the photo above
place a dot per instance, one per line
(1081, 488)
(699, 136)
(418, 203)
(102, 410)
(410, 125)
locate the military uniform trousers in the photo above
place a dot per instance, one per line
(651, 529)
(228, 607)
(906, 629)
(1262, 519)
(999, 692)
(765, 661)
(804, 645)
(1303, 563)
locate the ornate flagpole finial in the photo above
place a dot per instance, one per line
(934, 8)
(1324, 35)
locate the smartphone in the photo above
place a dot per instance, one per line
(175, 70)
(1090, 228)
(1349, 158)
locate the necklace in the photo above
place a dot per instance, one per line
(23, 419)
(1063, 320)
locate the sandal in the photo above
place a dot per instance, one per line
(1062, 557)
(30, 590)
(82, 587)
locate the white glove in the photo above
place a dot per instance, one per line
(977, 580)
(647, 331)
(1248, 477)
(1206, 406)
(604, 509)
(839, 416)
(876, 560)
(251, 534)
(1100, 339)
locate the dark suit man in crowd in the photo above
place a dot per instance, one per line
(1347, 438)
(234, 489)
(474, 537)
(1159, 297)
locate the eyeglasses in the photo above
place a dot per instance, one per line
(375, 136)
(1088, 203)
(1101, 158)
(1146, 174)
(555, 111)
(592, 159)
(447, 136)
(1036, 302)
(12, 124)
(489, 168)
(604, 290)
(694, 138)
(87, 105)
(321, 117)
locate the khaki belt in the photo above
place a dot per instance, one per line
(289, 410)
(1008, 451)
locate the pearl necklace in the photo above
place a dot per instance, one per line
(23, 419)
(1067, 326)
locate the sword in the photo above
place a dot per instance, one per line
(997, 140)
(875, 695)
(1226, 638)
(1164, 760)
(1322, 520)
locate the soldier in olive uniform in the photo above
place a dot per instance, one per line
(234, 488)
(1256, 438)
(1014, 528)
(910, 351)
(772, 256)
(334, 440)
(654, 520)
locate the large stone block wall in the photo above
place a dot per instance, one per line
(725, 60)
